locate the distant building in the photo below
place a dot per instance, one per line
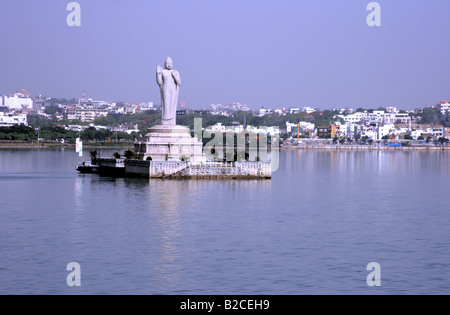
(370, 132)
(385, 130)
(376, 117)
(308, 110)
(335, 131)
(8, 120)
(279, 111)
(416, 133)
(348, 130)
(392, 118)
(324, 131)
(391, 109)
(200, 111)
(219, 128)
(181, 112)
(218, 109)
(348, 110)
(445, 107)
(447, 133)
(436, 132)
(16, 101)
(305, 128)
(265, 111)
(85, 115)
(39, 102)
(353, 118)
(294, 110)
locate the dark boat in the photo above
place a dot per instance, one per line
(88, 168)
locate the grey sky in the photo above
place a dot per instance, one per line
(317, 53)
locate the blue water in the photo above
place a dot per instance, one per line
(312, 229)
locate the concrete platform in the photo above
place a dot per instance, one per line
(179, 170)
(170, 143)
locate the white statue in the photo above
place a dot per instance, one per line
(169, 82)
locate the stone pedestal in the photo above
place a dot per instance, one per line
(170, 143)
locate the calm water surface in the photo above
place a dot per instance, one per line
(312, 229)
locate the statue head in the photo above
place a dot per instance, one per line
(168, 64)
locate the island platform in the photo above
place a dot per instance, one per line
(177, 170)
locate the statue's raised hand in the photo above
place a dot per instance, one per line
(176, 77)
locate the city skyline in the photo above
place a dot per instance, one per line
(279, 54)
(13, 102)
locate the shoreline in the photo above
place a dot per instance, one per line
(101, 145)
(362, 148)
(57, 145)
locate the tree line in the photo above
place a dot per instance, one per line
(57, 133)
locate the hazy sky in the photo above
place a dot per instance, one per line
(317, 53)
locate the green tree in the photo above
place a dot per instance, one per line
(18, 132)
(98, 135)
(108, 121)
(430, 116)
(51, 110)
(130, 155)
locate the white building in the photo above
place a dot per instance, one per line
(353, 118)
(265, 111)
(8, 120)
(85, 115)
(377, 132)
(308, 110)
(294, 110)
(16, 101)
(219, 128)
(343, 130)
(279, 111)
(445, 107)
(416, 133)
(370, 133)
(304, 125)
(401, 131)
(436, 132)
(348, 130)
(392, 109)
(377, 116)
(392, 118)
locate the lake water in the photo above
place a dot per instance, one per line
(312, 229)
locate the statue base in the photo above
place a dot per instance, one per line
(170, 143)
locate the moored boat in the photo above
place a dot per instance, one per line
(86, 167)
